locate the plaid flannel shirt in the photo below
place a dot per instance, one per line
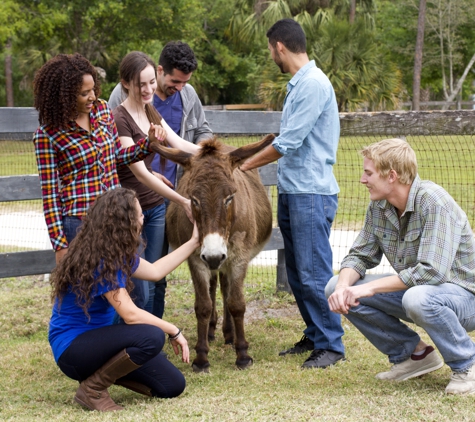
(75, 166)
(432, 242)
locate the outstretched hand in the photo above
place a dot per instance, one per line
(163, 179)
(188, 211)
(181, 343)
(157, 133)
(195, 235)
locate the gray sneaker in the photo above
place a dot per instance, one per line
(413, 367)
(322, 359)
(462, 382)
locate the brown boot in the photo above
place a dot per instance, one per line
(92, 392)
(135, 386)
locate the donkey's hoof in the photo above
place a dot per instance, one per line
(244, 363)
(204, 368)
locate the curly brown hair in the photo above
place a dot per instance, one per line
(57, 86)
(107, 242)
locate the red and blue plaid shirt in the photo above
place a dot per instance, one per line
(75, 166)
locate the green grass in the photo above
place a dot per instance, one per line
(17, 157)
(274, 389)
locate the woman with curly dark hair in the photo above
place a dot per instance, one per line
(77, 147)
(93, 280)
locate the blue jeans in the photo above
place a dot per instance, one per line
(445, 311)
(71, 227)
(154, 234)
(305, 221)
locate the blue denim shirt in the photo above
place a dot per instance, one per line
(309, 134)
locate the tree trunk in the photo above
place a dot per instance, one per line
(460, 82)
(352, 11)
(416, 82)
(8, 74)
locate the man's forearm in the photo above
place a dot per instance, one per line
(347, 277)
(266, 156)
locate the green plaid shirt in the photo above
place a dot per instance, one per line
(432, 242)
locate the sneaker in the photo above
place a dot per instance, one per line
(415, 366)
(462, 382)
(302, 346)
(322, 359)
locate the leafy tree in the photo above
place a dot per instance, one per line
(448, 43)
(223, 74)
(448, 21)
(360, 73)
(11, 19)
(101, 30)
(348, 53)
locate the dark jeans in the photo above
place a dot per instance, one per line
(305, 221)
(71, 227)
(92, 349)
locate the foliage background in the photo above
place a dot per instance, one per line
(369, 58)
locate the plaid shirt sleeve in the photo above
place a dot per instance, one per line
(46, 160)
(132, 154)
(432, 244)
(365, 252)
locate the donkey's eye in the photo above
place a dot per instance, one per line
(195, 202)
(228, 200)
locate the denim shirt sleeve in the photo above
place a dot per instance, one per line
(302, 112)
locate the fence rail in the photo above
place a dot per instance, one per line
(361, 128)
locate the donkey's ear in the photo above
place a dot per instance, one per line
(239, 155)
(173, 154)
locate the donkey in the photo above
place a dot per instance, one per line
(234, 218)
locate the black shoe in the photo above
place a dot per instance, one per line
(302, 346)
(322, 359)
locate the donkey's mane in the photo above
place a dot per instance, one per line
(210, 147)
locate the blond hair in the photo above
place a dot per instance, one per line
(393, 154)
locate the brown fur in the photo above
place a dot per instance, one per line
(233, 204)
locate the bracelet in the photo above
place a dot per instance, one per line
(170, 338)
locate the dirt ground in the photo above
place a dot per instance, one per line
(259, 309)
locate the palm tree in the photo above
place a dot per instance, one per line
(355, 65)
(346, 52)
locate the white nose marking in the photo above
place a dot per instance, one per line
(214, 251)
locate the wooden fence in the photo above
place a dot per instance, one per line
(20, 123)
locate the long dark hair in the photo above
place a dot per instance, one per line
(57, 86)
(107, 242)
(129, 71)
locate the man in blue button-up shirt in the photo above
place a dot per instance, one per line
(306, 149)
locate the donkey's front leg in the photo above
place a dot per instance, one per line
(236, 305)
(203, 309)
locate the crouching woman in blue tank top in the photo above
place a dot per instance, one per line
(94, 280)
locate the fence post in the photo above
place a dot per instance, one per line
(282, 283)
